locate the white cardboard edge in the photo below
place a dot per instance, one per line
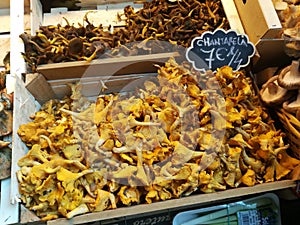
(233, 16)
(36, 15)
(191, 214)
(9, 213)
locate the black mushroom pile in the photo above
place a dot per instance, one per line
(160, 26)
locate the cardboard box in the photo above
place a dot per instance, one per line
(259, 19)
(263, 27)
(108, 14)
(115, 72)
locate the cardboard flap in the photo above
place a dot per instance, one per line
(37, 85)
(105, 67)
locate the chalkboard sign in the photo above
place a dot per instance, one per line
(220, 48)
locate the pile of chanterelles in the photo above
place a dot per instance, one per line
(186, 132)
(160, 26)
(6, 120)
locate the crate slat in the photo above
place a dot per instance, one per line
(201, 199)
(233, 16)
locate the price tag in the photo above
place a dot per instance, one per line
(213, 50)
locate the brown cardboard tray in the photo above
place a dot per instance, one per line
(259, 19)
(117, 72)
(104, 67)
(199, 199)
(108, 13)
(263, 27)
(26, 103)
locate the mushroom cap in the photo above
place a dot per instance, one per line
(289, 77)
(76, 46)
(293, 105)
(280, 5)
(273, 94)
(6, 120)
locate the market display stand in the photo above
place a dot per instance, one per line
(27, 103)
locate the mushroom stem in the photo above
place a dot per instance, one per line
(295, 68)
(289, 77)
(4, 144)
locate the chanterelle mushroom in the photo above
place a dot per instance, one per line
(273, 94)
(289, 77)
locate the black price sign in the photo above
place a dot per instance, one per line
(220, 48)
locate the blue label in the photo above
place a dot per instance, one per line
(220, 48)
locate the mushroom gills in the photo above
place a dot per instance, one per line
(272, 93)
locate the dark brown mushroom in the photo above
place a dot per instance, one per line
(6, 99)
(289, 77)
(6, 119)
(5, 162)
(273, 94)
(2, 79)
(75, 46)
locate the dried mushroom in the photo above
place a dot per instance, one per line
(293, 105)
(5, 160)
(6, 120)
(283, 89)
(186, 132)
(272, 93)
